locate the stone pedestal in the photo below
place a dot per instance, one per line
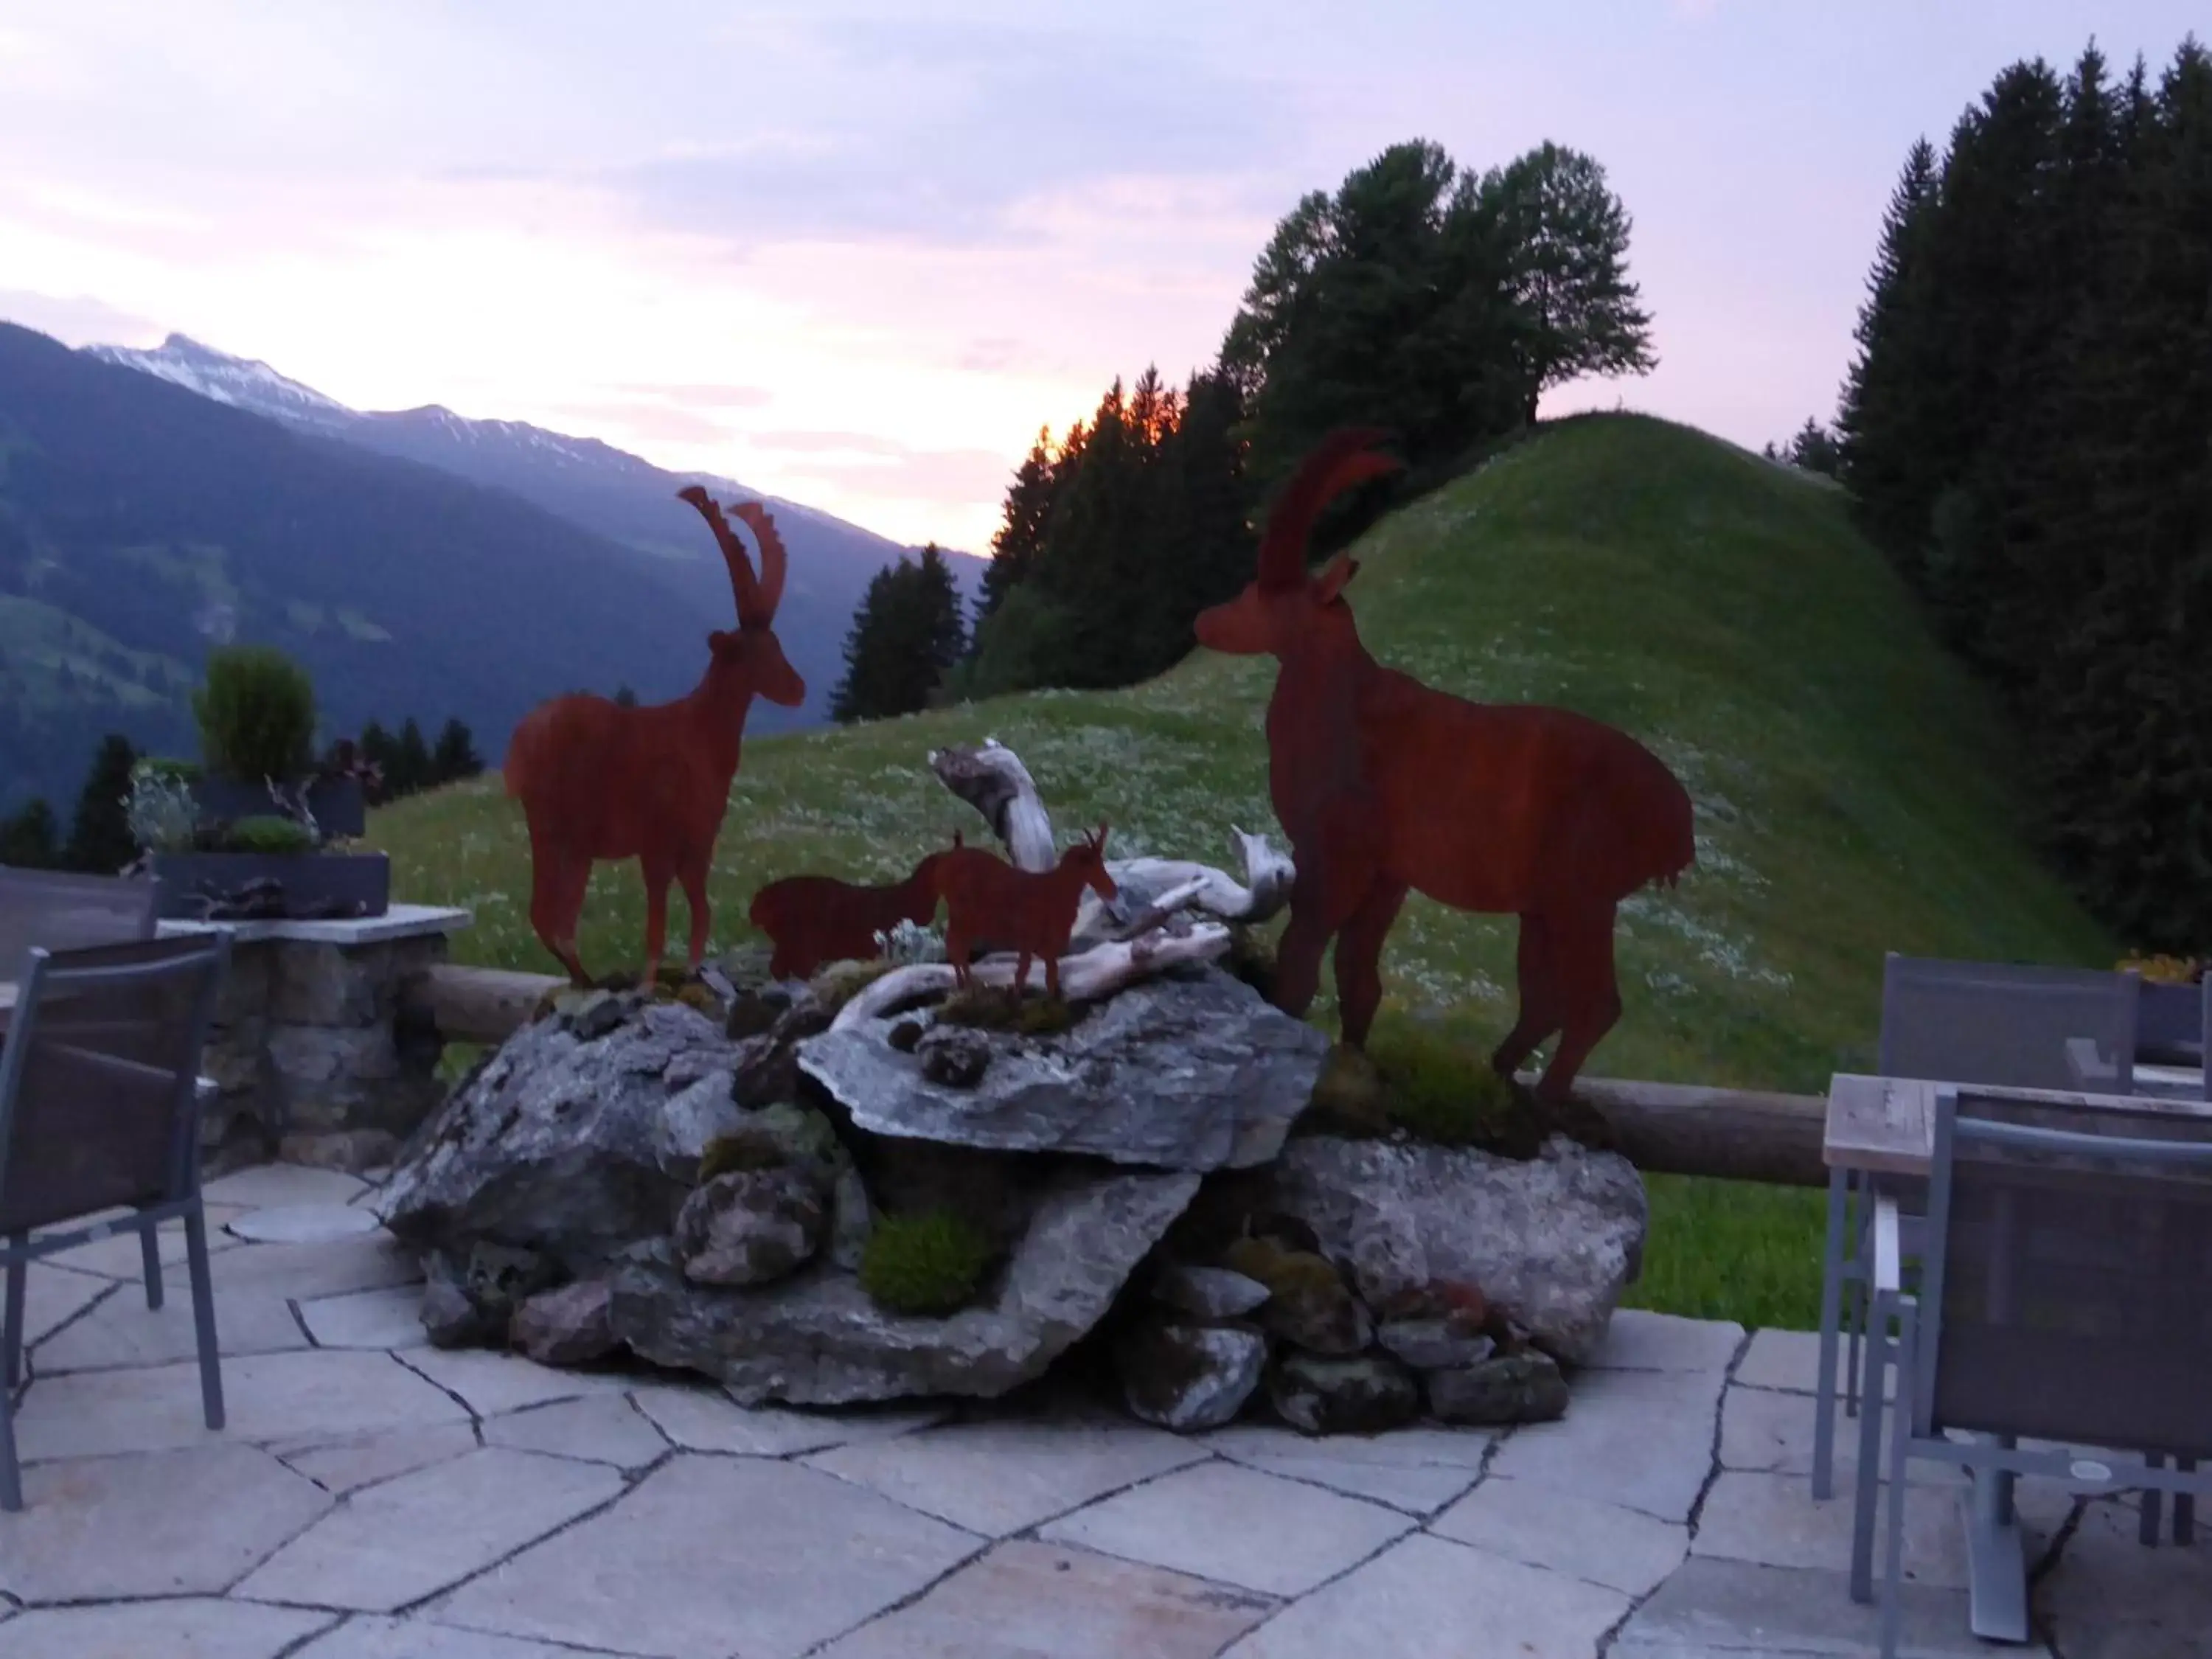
(310, 1058)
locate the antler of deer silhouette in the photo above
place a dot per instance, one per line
(1385, 786)
(600, 780)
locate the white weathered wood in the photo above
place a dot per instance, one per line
(1095, 972)
(992, 779)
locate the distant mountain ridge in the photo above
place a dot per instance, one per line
(152, 505)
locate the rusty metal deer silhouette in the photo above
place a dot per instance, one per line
(1032, 912)
(600, 780)
(813, 919)
(1385, 786)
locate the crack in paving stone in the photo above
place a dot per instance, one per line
(300, 1320)
(1608, 1637)
(399, 1358)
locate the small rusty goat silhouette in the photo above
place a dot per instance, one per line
(600, 780)
(1032, 912)
(811, 919)
(1384, 784)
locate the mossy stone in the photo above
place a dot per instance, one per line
(929, 1264)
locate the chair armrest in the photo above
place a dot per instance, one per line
(1888, 1252)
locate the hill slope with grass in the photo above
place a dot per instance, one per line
(1853, 788)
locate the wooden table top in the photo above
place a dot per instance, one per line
(1888, 1124)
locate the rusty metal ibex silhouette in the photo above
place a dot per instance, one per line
(1032, 912)
(1385, 786)
(813, 919)
(598, 779)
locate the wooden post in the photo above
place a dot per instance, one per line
(478, 1005)
(1736, 1135)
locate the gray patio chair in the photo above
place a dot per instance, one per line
(2061, 1300)
(100, 1110)
(55, 911)
(2172, 1032)
(1955, 1022)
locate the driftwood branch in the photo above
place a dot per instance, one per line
(992, 779)
(1084, 977)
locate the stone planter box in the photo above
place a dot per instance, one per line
(309, 878)
(338, 805)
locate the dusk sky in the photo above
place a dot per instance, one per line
(857, 254)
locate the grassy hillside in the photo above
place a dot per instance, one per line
(1852, 786)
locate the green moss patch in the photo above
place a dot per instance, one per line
(929, 1264)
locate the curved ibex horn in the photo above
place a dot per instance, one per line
(773, 560)
(743, 587)
(1340, 461)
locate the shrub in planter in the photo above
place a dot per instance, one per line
(269, 834)
(256, 715)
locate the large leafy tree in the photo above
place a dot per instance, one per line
(1563, 235)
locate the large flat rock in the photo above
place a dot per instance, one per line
(705, 1419)
(1623, 1550)
(1721, 1610)
(715, 1556)
(1192, 1070)
(1640, 1440)
(817, 1339)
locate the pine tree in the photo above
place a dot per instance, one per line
(30, 839)
(411, 761)
(99, 838)
(624, 697)
(455, 756)
(1887, 398)
(906, 635)
(1020, 540)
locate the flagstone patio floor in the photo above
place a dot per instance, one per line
(373, 1498)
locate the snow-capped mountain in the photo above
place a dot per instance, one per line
(239, 381)
(611, 491)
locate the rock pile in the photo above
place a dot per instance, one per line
(632, 1174)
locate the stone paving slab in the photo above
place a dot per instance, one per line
(1418, 1470)
(1025, 1599)
(1235, 1526)
(493, 1383)
(1637, 1340)
(1424, 1598)
(702, 1418)
(278, 1396)
(1640, 1440)
(109, 1528)
(600, 1428)
(396, 1543)
(124, 1331)
(53, 1295)
(1771, 1519)
(266, 1186)
(1603, 1544)
(2108, 1580)
(119, 1255)
(365, 1261)
(345, 1464)
(372, 1635)
(997, 1479)
(1721, 1609)
(194, 1627)
(302, 1223)
(389, 1318)
(730, 1555)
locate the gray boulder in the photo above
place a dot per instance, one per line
(1367, 1394)
(750, 1226)
(816, 1339)
(1503, 1389)
(1552, 1242)
(569, 1146)
(1188, 1377)
(1190, 1071)
(1208, 1292)
(567, 1326)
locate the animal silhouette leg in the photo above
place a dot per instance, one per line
(553, 908)
(657, 878)
(1589, 994)
(1536, 977)
(1359, 959)
(694, 897)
